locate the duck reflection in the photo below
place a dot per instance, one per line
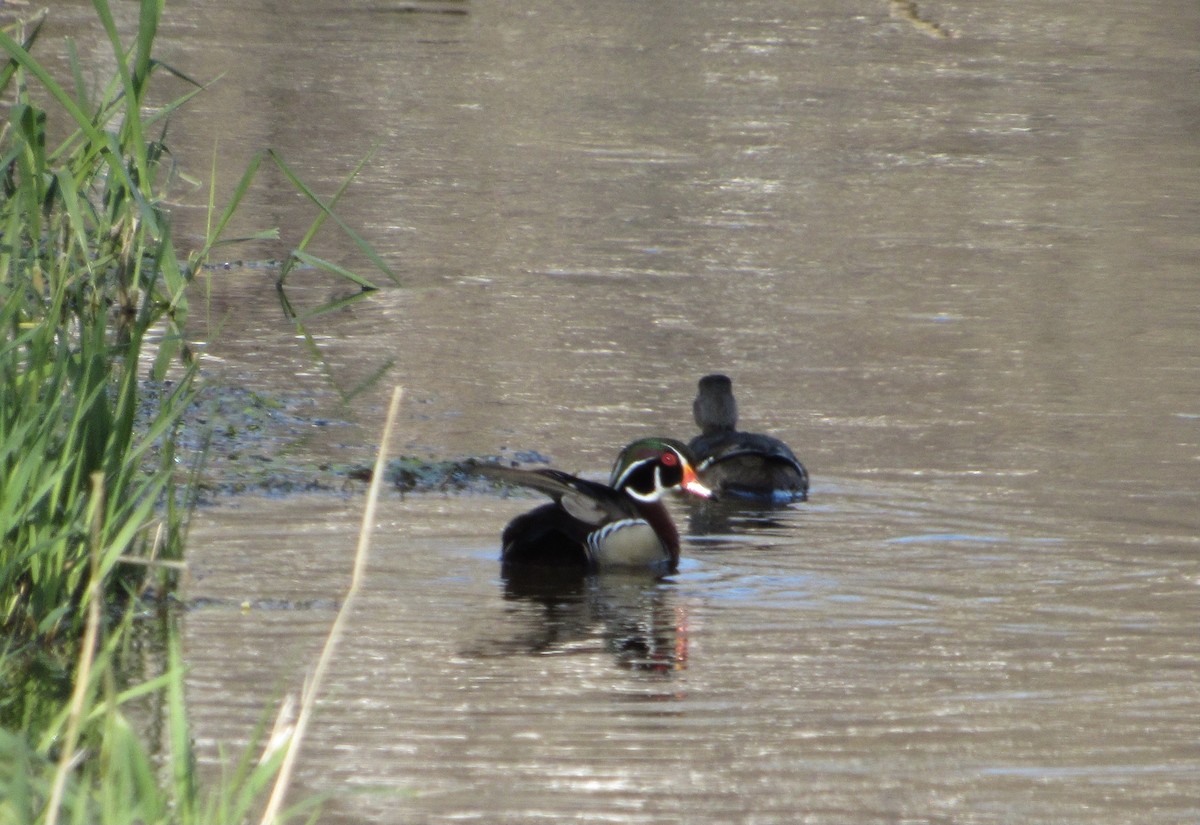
(733, 517)
(632, 614)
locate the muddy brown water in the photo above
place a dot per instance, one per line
(959, 274)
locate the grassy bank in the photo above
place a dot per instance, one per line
(93, 507)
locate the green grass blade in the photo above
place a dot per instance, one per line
(70, 199)
(10, 68)
(81, 91)
(81, 118)
(131, 125)
(320, 219)
(329, 266)
(181, 756)
(363, 246)
(239, 192)
(325, 309)
(151, 13)
(371, 380)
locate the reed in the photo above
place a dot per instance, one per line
(93, 509)
(87, 270)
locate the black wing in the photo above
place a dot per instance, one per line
(589, 501)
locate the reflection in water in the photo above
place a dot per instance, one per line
(734, 517)
(907, 10)
(958, 272)
(629, 613)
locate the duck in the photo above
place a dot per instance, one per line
(738, 464)
(591, 526)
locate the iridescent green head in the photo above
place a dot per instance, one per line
(649, 468)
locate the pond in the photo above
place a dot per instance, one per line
(948, 252)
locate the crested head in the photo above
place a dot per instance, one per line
(715, 408)
(650, 467)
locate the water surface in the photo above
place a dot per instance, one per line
(956, 273)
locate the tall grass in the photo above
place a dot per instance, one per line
(87, 269)
(93, 512)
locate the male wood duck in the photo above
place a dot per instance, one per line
(593, 526)
(738, 464)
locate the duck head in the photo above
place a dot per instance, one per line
(648, 469)
(715, 408)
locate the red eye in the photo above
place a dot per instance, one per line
(669, 459)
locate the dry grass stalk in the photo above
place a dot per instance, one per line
(313, 683)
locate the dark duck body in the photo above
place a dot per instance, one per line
(592, 526)
(738, 464)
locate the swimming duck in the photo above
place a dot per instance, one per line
(738, 464)
(594, 526)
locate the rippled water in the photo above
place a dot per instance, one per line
(957, 273)
(873, 657)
